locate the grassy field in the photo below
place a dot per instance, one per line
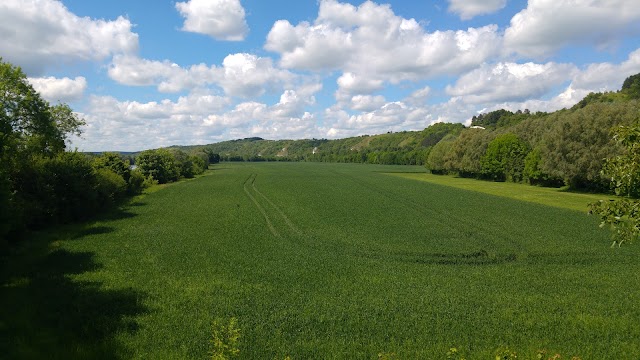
(323, 261)
(556, 197)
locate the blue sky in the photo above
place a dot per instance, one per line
(147, 74)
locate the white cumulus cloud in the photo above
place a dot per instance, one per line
(547, 25)
(38, 33)
(64, 90)
(370, 40)
(468, 9)
(367, 102)
(243, 75)
(220, 19)
(510, 82)
(167, 76)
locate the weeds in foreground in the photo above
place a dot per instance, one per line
(225, 339)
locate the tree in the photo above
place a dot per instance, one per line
(436, 158)
(159, 164)
(578, 141)
(28, 123)
(504, 159)
(466, 152)
(623, 216)
(32, 138)
(113, 162)
(631, 86)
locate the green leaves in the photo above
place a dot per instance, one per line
(504, 159)
(623, 216)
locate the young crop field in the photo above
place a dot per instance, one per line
(319, 261)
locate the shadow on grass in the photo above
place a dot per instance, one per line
(45, 313)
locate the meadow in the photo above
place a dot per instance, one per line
(324, 261)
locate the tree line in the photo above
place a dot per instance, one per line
(43, 183)
(563, 148)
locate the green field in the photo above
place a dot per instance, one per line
(323, 261)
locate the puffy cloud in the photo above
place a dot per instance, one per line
(65, 90)
(247, 75)
(390, 116)
(367, 102)
(596, 77)
(371, 40)
(468, 9)
(132, 125)
(38, 33)
(167, 76)
(547, 25)
(510, 82)
(607, 76)
(243, 75)
(198, 118)
(220, 19)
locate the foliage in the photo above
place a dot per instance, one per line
(623, 216)
(110, 187)
(5, 205)
(114, 162)
(55, 189)
(159, 164)
(436, 158)
(466, 152)
(624, 170)
(38, 180)
(631, 86)
(137, 183)
(578, 141)
(225, 339)
(505, 158)
(438, 131)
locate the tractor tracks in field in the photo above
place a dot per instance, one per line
(249, 187)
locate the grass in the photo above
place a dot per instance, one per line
(322, 261)
(556, 197)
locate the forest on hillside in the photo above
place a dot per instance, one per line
(562, 148)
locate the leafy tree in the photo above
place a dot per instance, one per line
(158, 164)
(631, 86)
(436, 158)
(575, 146)
(114, 162)
(184, 163)
(32, 161)
(27, 122)
(504, 158)
(623, 216)
(466, 152)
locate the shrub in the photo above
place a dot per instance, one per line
(113, 162)
(110, 187)
(159, 164)
(505, 158)
(136, 183)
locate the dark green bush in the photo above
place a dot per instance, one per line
(110, 187)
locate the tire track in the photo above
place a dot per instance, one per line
(284, 216)
(252, 179)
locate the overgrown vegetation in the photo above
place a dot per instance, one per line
(623, 216)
